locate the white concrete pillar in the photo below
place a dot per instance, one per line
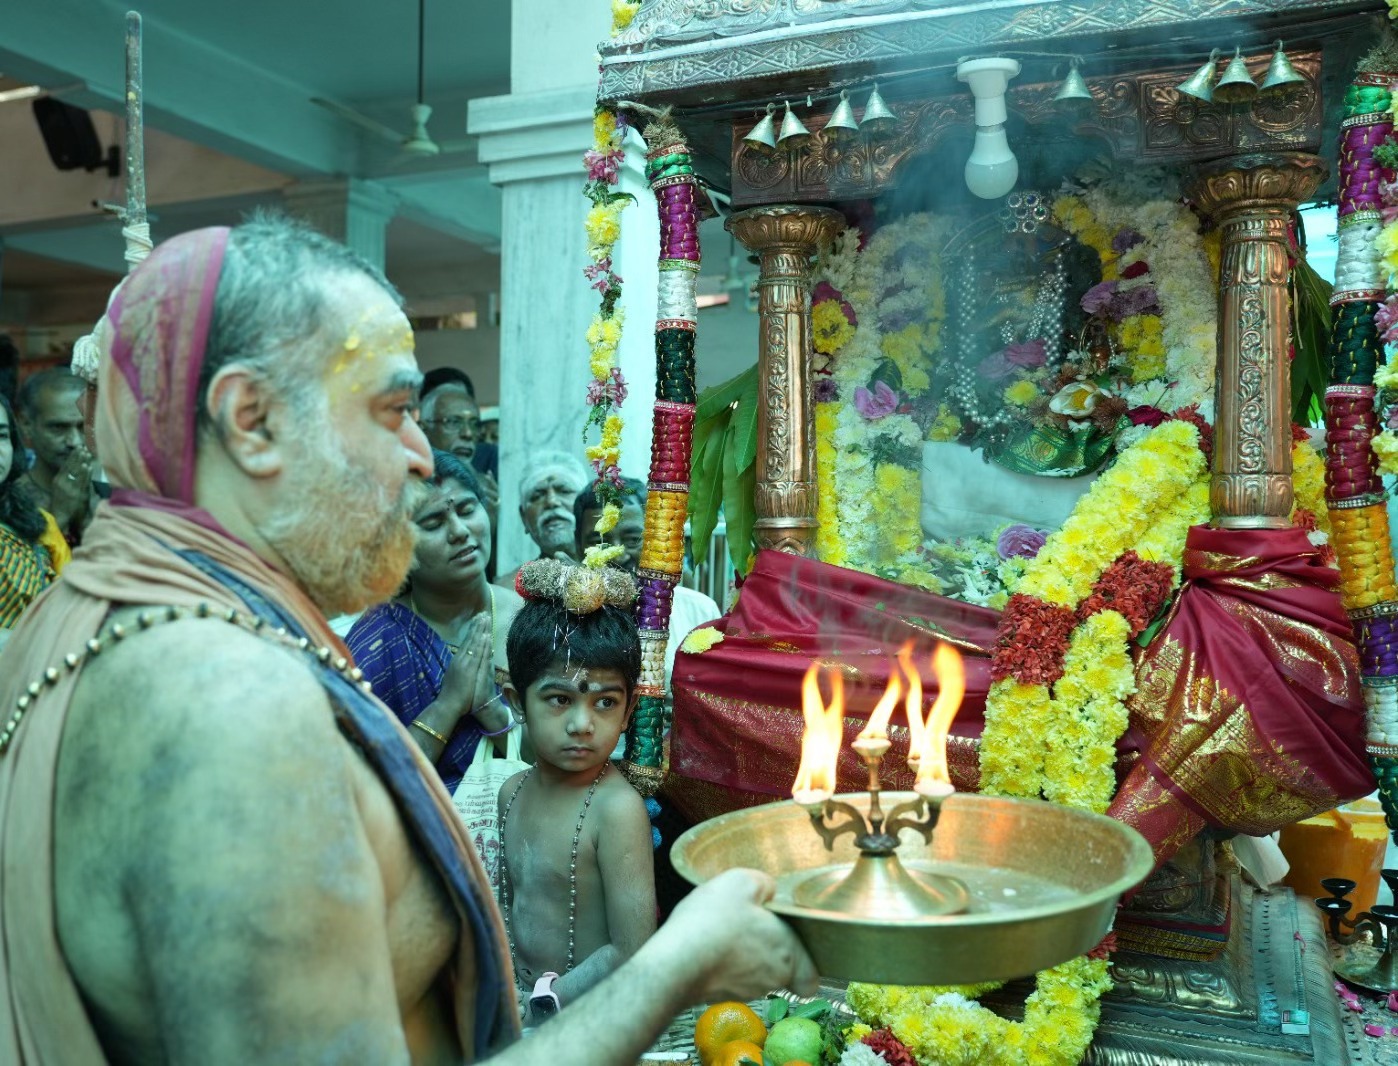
(533, 144)
(350, 210)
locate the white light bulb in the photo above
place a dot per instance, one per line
(992, 170)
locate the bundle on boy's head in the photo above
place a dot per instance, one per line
(578, 615)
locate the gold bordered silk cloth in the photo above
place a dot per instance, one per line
(1250, 698)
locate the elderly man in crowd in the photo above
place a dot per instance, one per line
(219, 848)
(61, 479)
(547, 490)
(452, 421)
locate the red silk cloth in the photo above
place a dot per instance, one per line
(1250, 697)
(737, 707)
(1257, 634)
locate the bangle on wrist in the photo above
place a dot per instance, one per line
(510, 725)
(418, 723)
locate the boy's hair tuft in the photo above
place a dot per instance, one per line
(545, 633)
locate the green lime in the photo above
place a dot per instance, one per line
(792, 1040)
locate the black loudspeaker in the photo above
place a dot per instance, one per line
(71, 138)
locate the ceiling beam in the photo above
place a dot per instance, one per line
(192, 89)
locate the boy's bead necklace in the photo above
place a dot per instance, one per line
(572, 864)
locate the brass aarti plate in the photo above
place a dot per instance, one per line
(1042, 884)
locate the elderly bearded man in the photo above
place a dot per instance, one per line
(550, 484)
(218, 848)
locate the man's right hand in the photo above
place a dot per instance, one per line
(490, 491)
(71, 487)
(735, 947)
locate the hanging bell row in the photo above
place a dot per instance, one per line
(842, 125)
(1236, 87)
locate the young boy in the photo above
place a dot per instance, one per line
(578, 889)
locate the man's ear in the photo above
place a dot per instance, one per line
(241, 405)
(631, 705)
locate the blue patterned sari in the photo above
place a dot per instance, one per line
(405, 660)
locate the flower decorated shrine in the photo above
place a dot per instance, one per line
(1037, 363)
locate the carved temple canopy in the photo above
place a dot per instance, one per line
(720, 62)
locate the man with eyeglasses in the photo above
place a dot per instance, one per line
(452, 422)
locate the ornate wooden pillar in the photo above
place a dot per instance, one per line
(786, 237)
(1251, 198)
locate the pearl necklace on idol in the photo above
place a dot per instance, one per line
(508, 902)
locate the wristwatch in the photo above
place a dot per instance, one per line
(543, 1001)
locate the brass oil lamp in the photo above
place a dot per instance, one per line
(940, 888)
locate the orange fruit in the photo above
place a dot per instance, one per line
(725, 1023)
(739, 1053)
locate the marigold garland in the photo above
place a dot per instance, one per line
(830, 546)
(607, 390)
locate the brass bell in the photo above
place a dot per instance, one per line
(1074, 91)
(1236, 86)
(877, 116)
(793, 132)
(1280, 73)
(842, 125)
(1200, 84)
(763, 135)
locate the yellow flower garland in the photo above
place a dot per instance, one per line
(830, 329)
(1308, 484)
(1061, 743)
(897, 276)
(603, 227)
(830, 545)
(1118, 510)
(941, 1026)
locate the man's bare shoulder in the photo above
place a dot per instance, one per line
(201, 693)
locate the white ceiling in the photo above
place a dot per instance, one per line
(236, 78)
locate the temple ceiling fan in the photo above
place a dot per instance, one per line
(418, 144)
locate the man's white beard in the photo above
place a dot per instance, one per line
(345, 541)
(557, 538)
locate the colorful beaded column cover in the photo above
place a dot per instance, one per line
(1354, 489)
(670, 172)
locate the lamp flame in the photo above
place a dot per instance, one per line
(877, 727)
(933, 777)
(820, 742)
(913, 705)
